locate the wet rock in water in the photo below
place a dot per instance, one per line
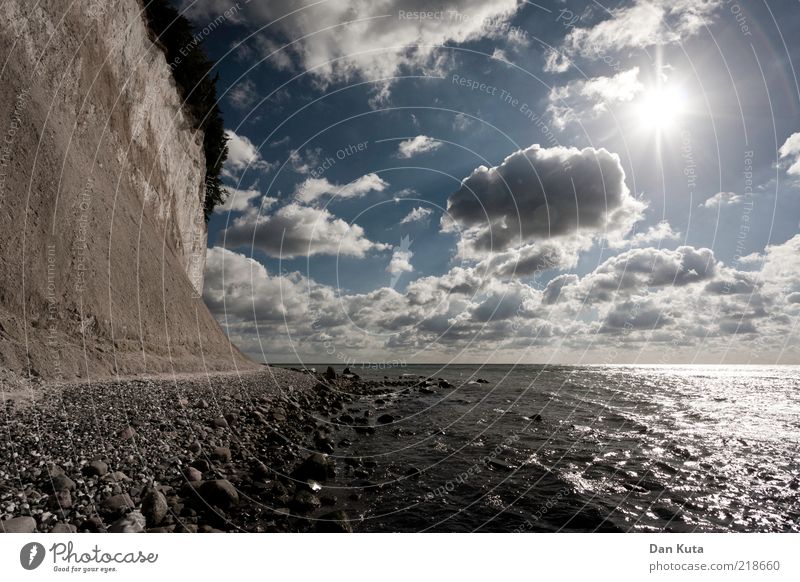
(425, 390)
(134, 522)
(317, 467)
(482, 381)
(154, 507)
(96, 469)
(219, 492)
(444, 383)
(328, 500)
(117, 503)
(64, 528)
(334, 522)
(18, 525)
(500, 464)
(222, 454)
(536, 418)
(412, 472)
(127, 433)
(385, 419)
(330, 374)
(305, 501)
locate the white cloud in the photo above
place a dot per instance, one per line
(660, 233)
(417, 145)
(723, 199)
(791, 149)
(243, 154)
(313, 188)
(587, 99)
(295, 230)
(340, 40)
(643, 301)
(243, 95)
(643, 24)
(241, 201)
(416, 215)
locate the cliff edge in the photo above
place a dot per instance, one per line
(102, 231)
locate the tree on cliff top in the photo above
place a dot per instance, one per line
(191, 69)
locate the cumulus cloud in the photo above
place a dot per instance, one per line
(417, 145)
(241, 201)
(637, 270)
(541, 193)
(658, 234)
(643, 297)
(417, 215)
(723, 199)
(587, 99)
(790, 151)
(338, 41)
(296, 230)
(313, 188)
(643, 24)
(242, 154)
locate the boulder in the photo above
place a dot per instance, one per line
(154, 507)
(330, 374)
(305, 501)
(96, 469)
(385, 419)
(117, 504)
(134, 522)
(334, 522)
(219, 492)
(18, 525)
(127, 433)
(62, 483)
(317, 467)
(221, 454)
(64, 528)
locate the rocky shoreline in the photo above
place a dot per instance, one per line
(221, 453)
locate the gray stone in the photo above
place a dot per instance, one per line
(219, 492)
(222, 454)
(18, 525)
(117, 503)
(316, 467)
(97, 468)
(134, 522)
(334, 522)
(154, 507)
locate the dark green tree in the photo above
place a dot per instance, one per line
(191, 69)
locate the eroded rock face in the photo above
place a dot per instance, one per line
(106, 187)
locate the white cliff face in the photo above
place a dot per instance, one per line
(134, 86)
(102, 234)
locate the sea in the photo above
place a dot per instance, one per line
(535, 448)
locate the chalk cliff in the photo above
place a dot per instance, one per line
(102, 236)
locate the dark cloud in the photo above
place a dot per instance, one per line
(540, 193)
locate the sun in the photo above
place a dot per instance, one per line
(661, 108)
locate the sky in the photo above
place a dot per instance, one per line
(499, 181)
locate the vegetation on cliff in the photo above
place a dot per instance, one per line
(191, 69)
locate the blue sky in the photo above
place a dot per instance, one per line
(507, 181)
